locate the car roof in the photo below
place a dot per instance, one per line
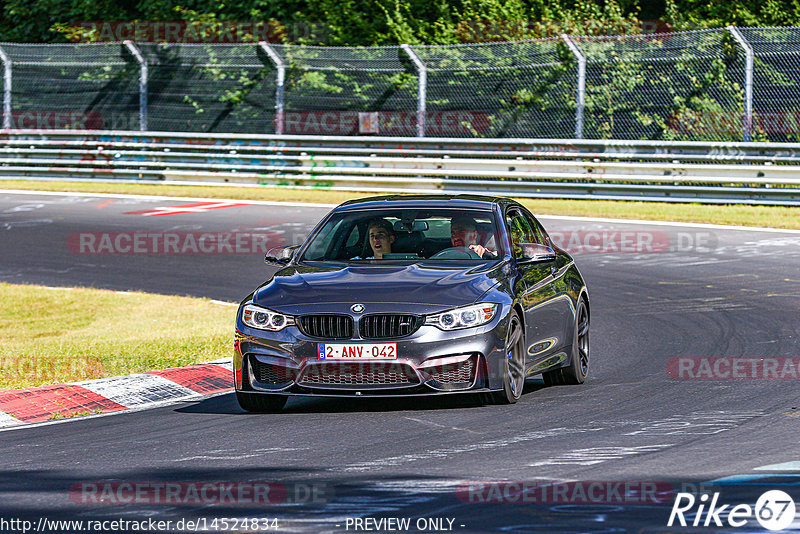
(427, 201)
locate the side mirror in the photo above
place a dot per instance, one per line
(280, 255)
(536, 253)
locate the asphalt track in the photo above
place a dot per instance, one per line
(713, 293)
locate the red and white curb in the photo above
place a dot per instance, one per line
(115, 394)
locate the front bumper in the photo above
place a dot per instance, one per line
(429, 361)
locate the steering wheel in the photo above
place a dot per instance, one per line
(456, 253)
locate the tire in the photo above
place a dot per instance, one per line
(578, 368)
(256, 403)
(514, 368)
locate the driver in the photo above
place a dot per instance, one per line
(464, 233)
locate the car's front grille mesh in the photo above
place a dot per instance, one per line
(359, 374)
(327, 326)
(452, 373)
(271, 374)
(385, 326)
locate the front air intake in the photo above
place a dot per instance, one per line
(387, 326)
(327, 326)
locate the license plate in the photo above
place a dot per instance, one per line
(357, 351)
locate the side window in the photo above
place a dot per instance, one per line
(321, 246)
(541, 235)
(520, 230)
(352, 239)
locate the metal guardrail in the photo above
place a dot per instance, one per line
(751, 173)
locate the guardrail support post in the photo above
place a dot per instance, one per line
(748, 82)
(143, 75)
(6, 89)
(422, 73)
(580, 95)
(281, 68)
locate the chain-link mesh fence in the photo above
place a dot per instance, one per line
(334, 90)
(70, 86)
(776, 82)
(682, 86)
(664, 86)
(514, 89)
(209, 88)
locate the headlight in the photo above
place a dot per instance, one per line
(466, 317)
(264, 319)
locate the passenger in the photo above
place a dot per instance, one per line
(381, 236)
(464, 233)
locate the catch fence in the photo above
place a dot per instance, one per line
(727, 84)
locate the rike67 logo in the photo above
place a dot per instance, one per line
(774, 510)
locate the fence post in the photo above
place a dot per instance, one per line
(143, 75)
(422, 73)
(580, 95)
(281, 67)
(6, 89)
(748, 82)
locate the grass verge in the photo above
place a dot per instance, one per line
(737, 215)
(57, 335)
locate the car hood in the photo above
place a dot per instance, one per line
(419, 287)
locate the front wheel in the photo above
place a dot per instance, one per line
(253, 402)
(514, 366)
(576, 372)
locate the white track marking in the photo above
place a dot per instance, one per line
(695, 424)
(26, 224)
(158, 198)
(137, 390)
(24, 207)
(227, 363)
(8, 420)
(437, 425)
(227, 455)
(786, 466)
(393, 461)
(668, 223)
(321, 205)
(598, 455)
(223, 303)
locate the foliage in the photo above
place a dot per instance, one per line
(371, 22)
(650, 86)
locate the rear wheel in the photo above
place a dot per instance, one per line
(576, 372)
(253, 402)
(514, 365)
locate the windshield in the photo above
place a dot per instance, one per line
(406, 235)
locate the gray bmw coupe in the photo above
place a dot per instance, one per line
(414, 295)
